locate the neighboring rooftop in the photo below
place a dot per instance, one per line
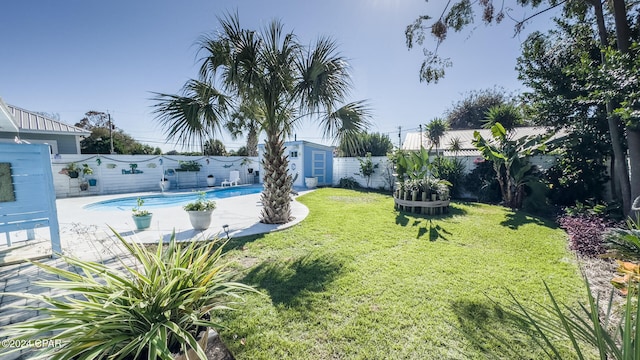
(32, 122)
(413, 140)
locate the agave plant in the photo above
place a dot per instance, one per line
(148, 311)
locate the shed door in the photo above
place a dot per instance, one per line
(319, 166)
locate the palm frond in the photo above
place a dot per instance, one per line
(323, 79)
(194, 116)
(347, 121)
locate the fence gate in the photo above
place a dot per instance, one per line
(27, 195)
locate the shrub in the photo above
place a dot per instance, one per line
(349, 183)
(146, 311)
(624, 243)
(482, 183)
(588, 330)
(586, 233)
(451, 170)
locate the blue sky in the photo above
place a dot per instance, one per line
(72, 56)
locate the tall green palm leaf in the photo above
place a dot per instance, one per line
(289, 83)
(193, 117)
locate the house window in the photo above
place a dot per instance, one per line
(293, 154)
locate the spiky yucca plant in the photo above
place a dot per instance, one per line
(589, 333)
(148, 311)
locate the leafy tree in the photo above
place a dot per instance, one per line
(470, 112)
(288, 82)
(461, 13)
(99, 142)
(242, 151)
(435, 130)
(214, 147)
(556, 101)
(364, 143)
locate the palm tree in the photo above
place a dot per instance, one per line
(288, 83)
(435, 130)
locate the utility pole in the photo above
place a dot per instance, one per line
(420, 136)
(399, 137)
(110, 131)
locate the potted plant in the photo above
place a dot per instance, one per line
(189, 166)
(71, 170)
(200, 211)
(142, 218)
(211, 180)
(86, 170)
(173, 292)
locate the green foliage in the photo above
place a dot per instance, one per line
(360, 144)
(508, 115)
(190, 165)
(349, 183)
(367, 167)
(149, 310)
(624, 243)
(483, 183)
(86, 169)
(201, 203)
(214, 147)
(435, 130)
(413, 164)
(137, 210)
(590, 335)
(510, 159)
(452, 170)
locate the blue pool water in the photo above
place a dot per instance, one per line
(166, 200)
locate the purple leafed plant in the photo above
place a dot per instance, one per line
(585, 233)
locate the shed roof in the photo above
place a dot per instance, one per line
(31, 122)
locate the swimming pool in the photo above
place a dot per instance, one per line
(167, 200)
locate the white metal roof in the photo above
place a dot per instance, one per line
(413, 139)
(31, 122)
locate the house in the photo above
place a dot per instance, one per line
(20, 125)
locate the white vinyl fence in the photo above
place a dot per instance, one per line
(133, 173)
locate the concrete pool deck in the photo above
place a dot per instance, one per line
(85, 234)
(240, 213)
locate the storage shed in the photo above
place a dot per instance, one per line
(308, 160)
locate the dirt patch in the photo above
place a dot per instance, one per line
(248, 261)
(351, 199)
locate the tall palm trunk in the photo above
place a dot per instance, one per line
(276, 199)
(252, 142)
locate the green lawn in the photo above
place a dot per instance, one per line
(359, 280)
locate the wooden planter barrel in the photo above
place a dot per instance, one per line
(417, 203)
